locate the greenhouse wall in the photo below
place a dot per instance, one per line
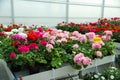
(50, 12)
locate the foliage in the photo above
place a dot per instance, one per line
(108, 74)
(115, 22)
(68, 26)
(116, 36)
(53, 47)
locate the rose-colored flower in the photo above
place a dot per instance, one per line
(74, 38)
(33, 46)
(106, 37)
(52, 41)
(77, 57)
(41, 35)
(75, 46)
(52, 37)
(86, 61)
(43, 42)
(12, 55)
(46, 35)
(99, 53)
(60, 35)
(75, 33)
(108, 32)
(96, 45)
(49, 47)
(64, 40)
(58, 41)
(83, 38)
(90, 35)
(40, 29)
(23, 48)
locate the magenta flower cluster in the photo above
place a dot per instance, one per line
(23, 49)
(18, 37)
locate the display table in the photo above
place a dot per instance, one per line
(68, 69)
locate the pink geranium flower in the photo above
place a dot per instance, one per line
(99, 53)
(83, 38)
(90, 35)
(106, 37)
(77, 57)
(76, 33)
(52, 37)
(86, 61)
(74, 38)
(108, 32)
(49, 47)
(64, 40)
(23, 49)
(96, 45)
(75, 46)
(52, 41)
(58, 41)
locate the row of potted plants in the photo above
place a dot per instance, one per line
(23, 46)
(98, 27)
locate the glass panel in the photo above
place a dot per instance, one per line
(5, 21)
(50, 22)
(112, 12)
(5, 8)
(37, 9)
(84, 11)
(112, 2)
(87, 1)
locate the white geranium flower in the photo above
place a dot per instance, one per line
(96, 76)
(99, 73)
(20, 30)
(113, 68)
(14, 30)
(102, 77)
(23, 34)
(112, 77)
(8, 33)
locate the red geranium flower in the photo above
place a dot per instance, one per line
(32, 35)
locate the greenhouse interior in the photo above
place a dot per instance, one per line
(59, 39)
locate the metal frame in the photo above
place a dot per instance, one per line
(12, 11)
(67, 11)
(102, 9)
(47, 1)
